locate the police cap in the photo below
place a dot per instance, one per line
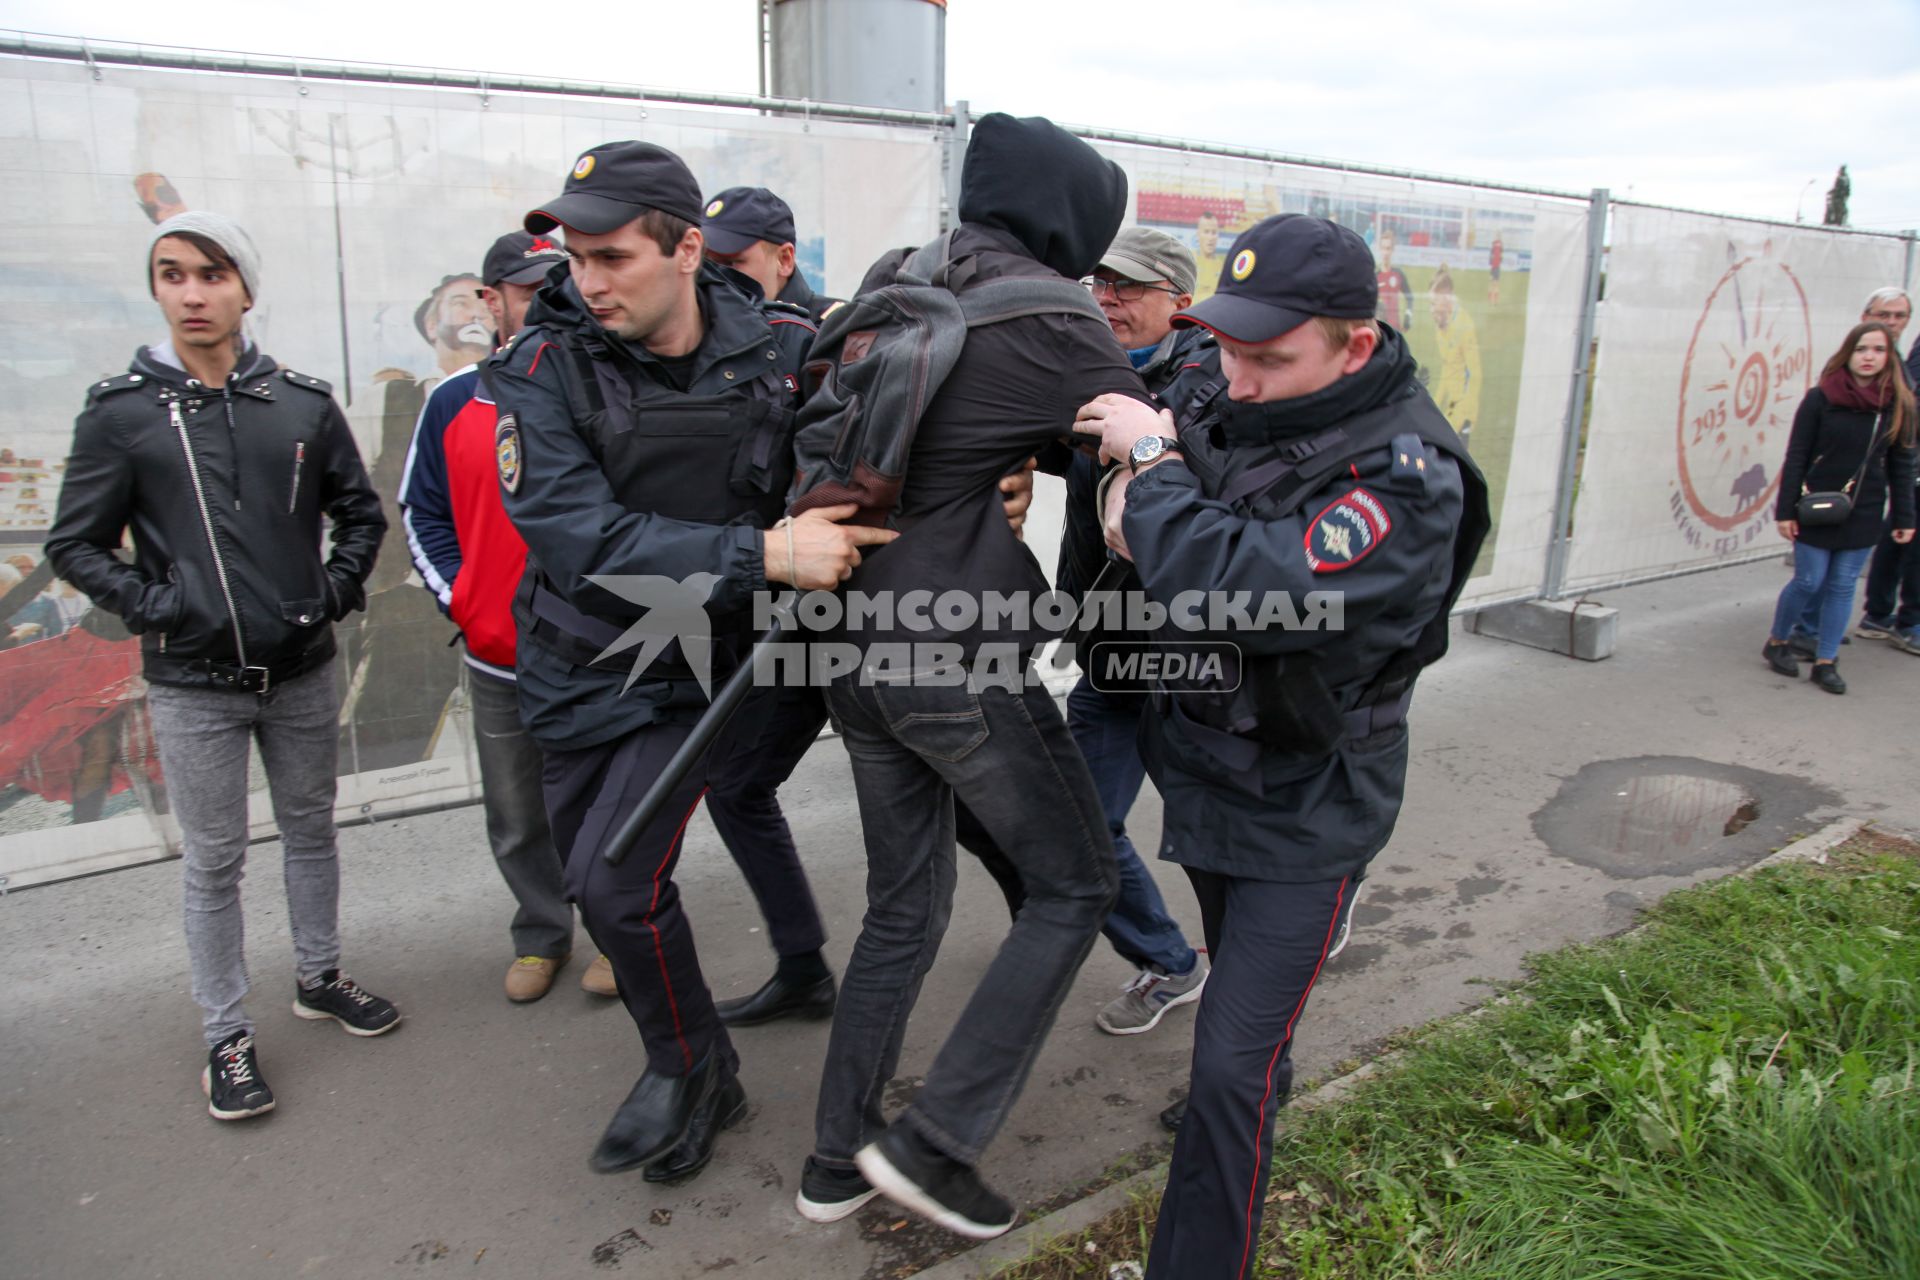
(615, 183)
(1284, 271)
(739, 216)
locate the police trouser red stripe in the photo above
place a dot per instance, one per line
(1268, 943)
(633, 911)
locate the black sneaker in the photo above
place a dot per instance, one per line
(828, 1195)
(339, 997)
(232, 1080)
(1781, 659)
(1827, 676)
(909, 1172)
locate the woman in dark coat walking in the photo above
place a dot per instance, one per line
(1854, 433)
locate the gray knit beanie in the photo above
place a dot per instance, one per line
(224, 232)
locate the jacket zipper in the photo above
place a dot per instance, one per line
(299, 458)
(233, 435)
(206, 521)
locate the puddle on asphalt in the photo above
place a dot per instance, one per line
(1674, 816)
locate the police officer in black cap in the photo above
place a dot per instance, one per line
(750, 230)
(644, 454)
(1323, 467)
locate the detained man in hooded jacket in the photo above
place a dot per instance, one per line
(1035, 202)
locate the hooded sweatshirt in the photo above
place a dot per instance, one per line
(1034, 201)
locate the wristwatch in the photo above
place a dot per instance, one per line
(1147, 448)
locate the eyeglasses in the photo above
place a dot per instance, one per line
(1126, 290)
(1888, 315)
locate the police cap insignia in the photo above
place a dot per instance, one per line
(506, 452)
(583, 166)
(1243, 263)
(1346, 532)
(714, 208)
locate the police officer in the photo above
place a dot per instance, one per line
(1324, 467)
(750, 230)
(644, 452)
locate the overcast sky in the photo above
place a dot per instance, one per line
(1722, 106)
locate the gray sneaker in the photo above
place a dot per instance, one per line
(1907, 641)
(1874, 628)
(1148, 997)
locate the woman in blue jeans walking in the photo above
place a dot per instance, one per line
(1853, 433)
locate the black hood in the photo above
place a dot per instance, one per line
(1062, 200)
(558, 305)
(1387, 376)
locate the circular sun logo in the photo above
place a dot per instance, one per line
(1748, 366)
(1243, 264)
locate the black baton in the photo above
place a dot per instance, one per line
(705, 730)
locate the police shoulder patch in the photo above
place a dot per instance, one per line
(1346, 531)
(506, 452)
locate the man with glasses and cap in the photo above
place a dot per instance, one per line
(1322, 466)
(644, 451)
(750, 230)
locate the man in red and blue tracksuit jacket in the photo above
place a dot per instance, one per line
(471, 558)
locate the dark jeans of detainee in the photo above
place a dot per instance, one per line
(1007, 756)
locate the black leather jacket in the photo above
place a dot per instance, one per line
(223, 489)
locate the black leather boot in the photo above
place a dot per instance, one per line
(724, 1108)
(655, 1117)
(780, 997)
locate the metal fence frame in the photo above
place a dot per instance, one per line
(97, 55)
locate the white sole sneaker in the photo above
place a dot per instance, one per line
(321, 1015)
(1186, 997)
(206, 1087)
(897, 1187)
(832, 1210)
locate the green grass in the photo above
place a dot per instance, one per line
(1731, 1092)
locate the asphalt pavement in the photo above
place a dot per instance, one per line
(1549, 801)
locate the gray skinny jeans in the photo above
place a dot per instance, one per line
(203, 736)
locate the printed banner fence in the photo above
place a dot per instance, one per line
(371, 206)
(1712, 332)
(1486, 287)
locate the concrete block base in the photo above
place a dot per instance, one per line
(1587, 631)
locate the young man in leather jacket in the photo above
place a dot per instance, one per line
(222, 464)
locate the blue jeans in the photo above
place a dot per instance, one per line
(1008, 756)
(1827, 577)
(203, 736)
(1106, 727)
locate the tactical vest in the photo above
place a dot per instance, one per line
(1289, 702)
(706, 459)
